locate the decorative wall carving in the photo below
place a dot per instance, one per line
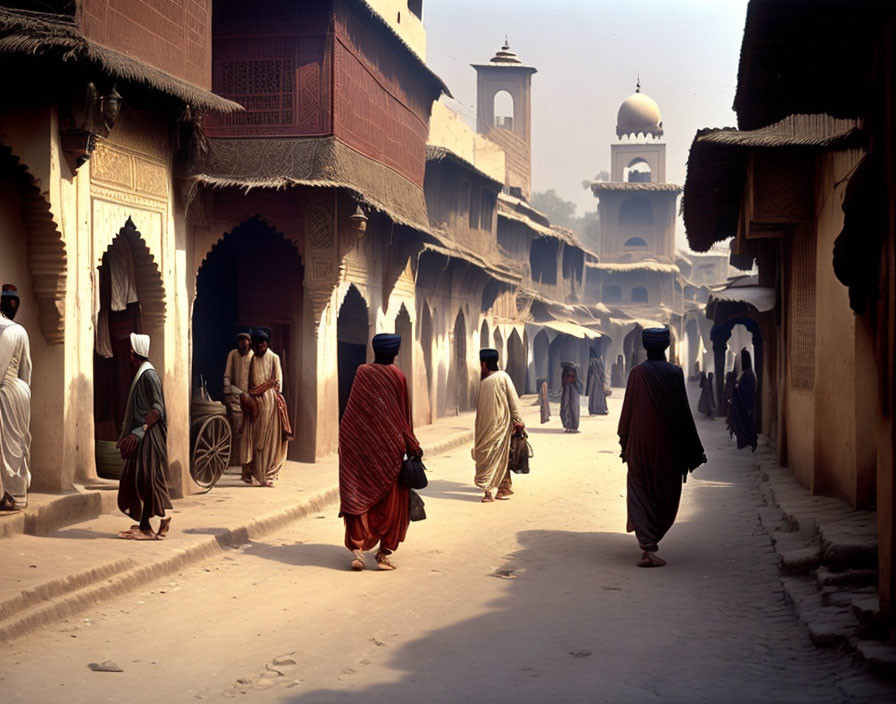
(321, 272)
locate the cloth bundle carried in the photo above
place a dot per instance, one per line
(416, 510)
(520, 452)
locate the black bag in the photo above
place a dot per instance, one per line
(520, 452)
(416, 512)
(413, 473)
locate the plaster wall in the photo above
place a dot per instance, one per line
(447, 129)
(403, 22)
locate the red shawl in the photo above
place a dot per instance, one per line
(375, 433)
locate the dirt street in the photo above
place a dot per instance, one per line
(535, 599)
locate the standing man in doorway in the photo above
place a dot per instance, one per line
(659, 443)
(497, 418)
(269, 430)
(375, 433)
(15, 405)
(236, 384)
(143, 489)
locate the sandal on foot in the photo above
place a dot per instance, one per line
(383, 562)
(649, 559)
(358, 563)
(141, 535)
(503, 496)
(487, 498)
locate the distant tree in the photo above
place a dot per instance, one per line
(560, 212)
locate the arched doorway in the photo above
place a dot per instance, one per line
(720, 334)
(484, 336)
(694, 344)
(426, 345)
(462, 377)
(405, 360)
(352, 328)
(252, 277)
(499, 345)
(516, 361)
(633, 350)
(131, 300)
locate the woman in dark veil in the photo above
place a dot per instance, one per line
(706, 404)
(743, 405)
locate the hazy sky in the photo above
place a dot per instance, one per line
(588, 54)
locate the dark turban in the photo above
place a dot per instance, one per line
(568, 365)
(10, 291)
(243, 332)
(262, 333)
(386, 342)
(655, 338)
(488, 354)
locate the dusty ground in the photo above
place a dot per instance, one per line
(534, 599)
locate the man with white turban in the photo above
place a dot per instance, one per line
(15, 405)
(143, 490)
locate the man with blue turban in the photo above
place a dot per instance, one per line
(659, 443)
(375, 433)
(497, 418)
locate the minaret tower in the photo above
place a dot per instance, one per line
(504, 112)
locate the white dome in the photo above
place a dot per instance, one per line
(639, 114)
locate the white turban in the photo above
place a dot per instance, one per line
(140, 344)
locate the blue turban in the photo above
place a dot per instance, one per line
(262, 333)
(488, 354)
(386, 342)
(655, 338)
(10, 291)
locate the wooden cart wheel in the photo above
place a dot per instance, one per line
(211, 451)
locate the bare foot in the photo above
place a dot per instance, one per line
(503, 495)
(650, 559)
(487, 498)
(163, 528)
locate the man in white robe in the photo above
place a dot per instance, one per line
(268, 430)
(236, 383)
(15, 405)
(497, 417)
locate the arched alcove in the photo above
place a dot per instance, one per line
(426, 343)
(405, 359)
(503, 105)
(462, 377)
(540, 351)
(635, 243)
(638, 171)
(639, 295)
(499, 345)
(516, 361)
(352, 328)
(485, 340)
(131, 300)
(636, 212)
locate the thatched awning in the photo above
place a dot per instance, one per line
(434, 153)
(788, 66)
(452, 250)
(717, 168)
(512, 208)
(634, 186)
(56, 38)
(623, 267)
(282, 162)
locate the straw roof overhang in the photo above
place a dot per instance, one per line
(494, 267)
(717, 167)
(516, 209)
(57, 38)
(436, 154)
(623, 267)
(437, 83)
(281, 162)
(787, 66)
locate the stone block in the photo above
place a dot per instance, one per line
(800, 560)
(878, 657)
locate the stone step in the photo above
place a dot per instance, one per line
(878, 657)
(853, 578)
(849, 543)
(800, 560)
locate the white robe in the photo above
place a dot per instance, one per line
(497, 410)
(15, 410)
(263, 445)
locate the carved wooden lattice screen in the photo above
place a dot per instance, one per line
(802, 326)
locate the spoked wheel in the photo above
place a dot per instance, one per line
(211, 451)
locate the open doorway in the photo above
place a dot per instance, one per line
(405, 359)
(351, 341)
(462, 377)
(516, 362)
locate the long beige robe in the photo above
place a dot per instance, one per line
(497, 410)
(236, 383)
(263, 445)
(15, 410)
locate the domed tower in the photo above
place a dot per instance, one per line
(504, 111)
(639, 156)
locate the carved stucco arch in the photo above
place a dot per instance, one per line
(148, 278)
(47, 258)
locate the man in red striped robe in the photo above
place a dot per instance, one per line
(375, 433)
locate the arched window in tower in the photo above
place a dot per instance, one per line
(504, 110)
(636, 243)
(636, 212)
(639, 294)
(638, 171)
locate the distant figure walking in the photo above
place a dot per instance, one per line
(617, 378)
(598, 388)
(659, 443)
(728, 395)
(15, 405)
(706, 404)
(143, 488)
(743, 405)
(570, 403)
(497, 417)
(375, 433)
(544, 402)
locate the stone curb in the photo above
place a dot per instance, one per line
(62, 598)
